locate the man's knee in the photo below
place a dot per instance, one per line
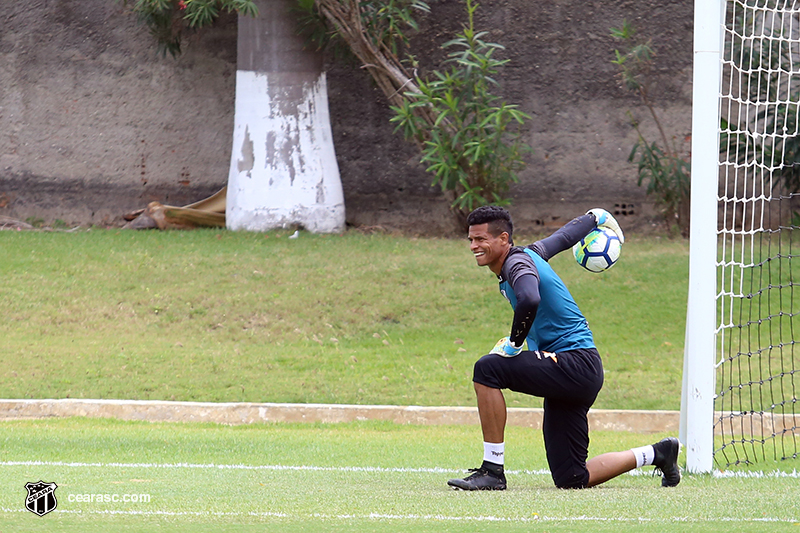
(484, 362)
(485, 373)
(571, 481)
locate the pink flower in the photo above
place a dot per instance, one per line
(182, 4)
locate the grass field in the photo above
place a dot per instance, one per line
(355, 477)
(359, 319)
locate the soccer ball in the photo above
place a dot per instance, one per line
(598, 251)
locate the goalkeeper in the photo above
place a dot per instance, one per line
(561, 364)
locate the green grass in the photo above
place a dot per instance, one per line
(339, 477)
(362, 319)
(365, 319)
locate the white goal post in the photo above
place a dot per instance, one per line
(697, 401)
(742, 352)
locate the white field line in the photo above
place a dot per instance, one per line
(436, 470)
(409, 517)
(373, 516)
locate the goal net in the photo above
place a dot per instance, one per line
(757, 333)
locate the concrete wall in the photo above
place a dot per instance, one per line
(93, 123)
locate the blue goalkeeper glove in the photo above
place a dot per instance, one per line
(505, 348)
(606, 220)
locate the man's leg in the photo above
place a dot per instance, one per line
(663, 454)
(566, 437)
(492, 413)
(565, 430)
(609, 465)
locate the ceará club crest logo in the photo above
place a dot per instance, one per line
(41, 497)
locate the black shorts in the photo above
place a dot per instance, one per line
(569, 383)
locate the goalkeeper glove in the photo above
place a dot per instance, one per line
(605, 220)
(505, 348)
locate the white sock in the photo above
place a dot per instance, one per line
(644, 455)
(494, 453)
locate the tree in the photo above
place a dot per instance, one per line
(473, 148)
(283, 164)
(283, 168)
(455, 120)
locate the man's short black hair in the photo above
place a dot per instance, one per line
(499, 220)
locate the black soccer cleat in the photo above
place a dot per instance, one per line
(666, 460)
(481, 479)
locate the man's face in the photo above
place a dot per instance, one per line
(488, 250)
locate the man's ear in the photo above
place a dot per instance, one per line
(504, 237)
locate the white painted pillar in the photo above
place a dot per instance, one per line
(283, 165)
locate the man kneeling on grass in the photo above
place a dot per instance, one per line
(561, 364)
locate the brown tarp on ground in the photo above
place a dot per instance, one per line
(209, 212)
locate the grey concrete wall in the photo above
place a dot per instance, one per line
(93, 123)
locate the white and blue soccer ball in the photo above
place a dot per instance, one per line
(598, 251)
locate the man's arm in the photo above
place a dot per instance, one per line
(565, 237)
(526, 288)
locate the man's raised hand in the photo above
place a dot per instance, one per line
(606, 220)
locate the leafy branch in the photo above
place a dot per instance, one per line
(167, 19)
(667, 173)
(471, 147)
